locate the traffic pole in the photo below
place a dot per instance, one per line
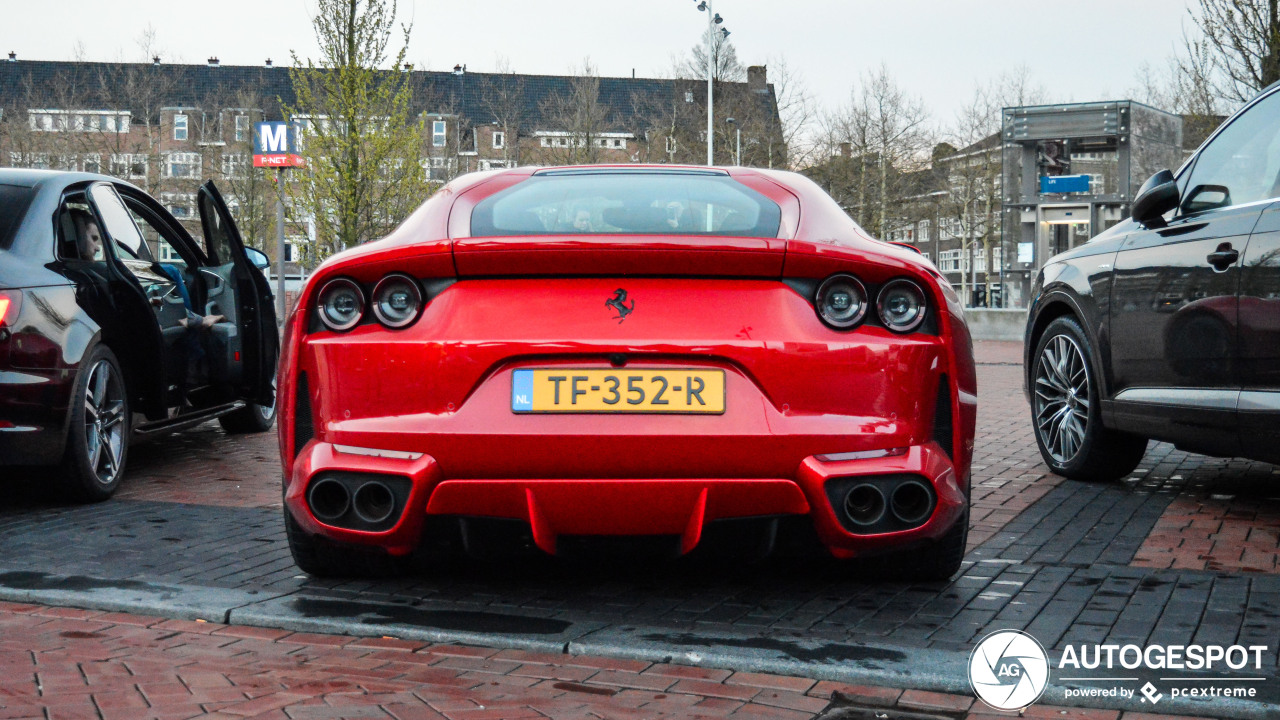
(280, 247)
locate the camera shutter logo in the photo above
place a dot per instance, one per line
(1008, 670)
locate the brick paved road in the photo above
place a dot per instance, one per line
(65, 663)
(1156, 558)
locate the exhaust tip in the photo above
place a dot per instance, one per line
(374, 502)
(328, 499)
(864, 504)
(911, 502)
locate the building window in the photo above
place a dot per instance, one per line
(130, 166)
(949, 260)
(179, 205)
(78, 121)
(492, 164)
(179, 127)
(182, 165)
(242, 128)
(924, 231)
(439, 130)
(499, 140)
(688, 97)
(93, 163)
(234, 164)
(291, 245)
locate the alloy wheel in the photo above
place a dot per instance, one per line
(104, 422)
(1062, 398)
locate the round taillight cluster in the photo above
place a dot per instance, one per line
(842, 300)
(397, 300)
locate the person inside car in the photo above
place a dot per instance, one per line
(88, 236)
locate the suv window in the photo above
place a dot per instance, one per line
(14, 200)
(1242, 164)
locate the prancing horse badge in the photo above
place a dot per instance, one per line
(619, 302)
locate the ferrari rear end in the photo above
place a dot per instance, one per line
(638, 352)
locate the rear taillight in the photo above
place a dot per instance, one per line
(841, 301)
(10, 302)
(901, 306)
(397, 301)
(341, 304)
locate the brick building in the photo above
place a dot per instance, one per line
(167, 127)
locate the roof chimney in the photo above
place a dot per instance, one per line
(459, 69)
(155, 59)
(757, 78)
(213, 61)
(13, 56)
(846, 149)
(268, 62)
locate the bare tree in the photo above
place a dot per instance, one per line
(670, 123)
(887, 136)
(726, 66)
(796, 114)
(580, 117)
(503, 97)
(1240, 44)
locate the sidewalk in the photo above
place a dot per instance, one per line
(65, 663)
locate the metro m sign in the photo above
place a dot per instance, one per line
(275, 144)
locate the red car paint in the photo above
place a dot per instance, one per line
(439, 391)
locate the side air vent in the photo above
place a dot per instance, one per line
(943, 432)
(303, 427)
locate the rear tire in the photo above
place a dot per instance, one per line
(252, 418)
(322, 558)
(1066, 412)
(98, 432)
(939, 560)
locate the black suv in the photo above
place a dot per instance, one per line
(1167, 325)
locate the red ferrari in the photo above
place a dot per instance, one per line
(653, 353)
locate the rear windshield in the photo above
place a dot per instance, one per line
(627, 203)
(13, 204)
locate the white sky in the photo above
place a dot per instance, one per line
(937, 49)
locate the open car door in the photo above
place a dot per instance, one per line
(253, 314)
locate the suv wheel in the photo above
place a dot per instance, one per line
(1066, 412)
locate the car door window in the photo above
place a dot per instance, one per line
(119, 223)
(1241, 165)
(79, 237)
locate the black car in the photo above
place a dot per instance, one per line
(115, 322)
(1167, 325)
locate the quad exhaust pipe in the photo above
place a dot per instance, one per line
(373, 502)
(352, 502)
(329, 500)
(864, 504)
(911, 502)
(888, 504)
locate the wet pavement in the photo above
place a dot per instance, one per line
(1183, 551)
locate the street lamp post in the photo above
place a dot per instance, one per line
(712, 20)
(737, 156)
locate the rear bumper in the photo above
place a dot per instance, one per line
(33, 415)
(555, 508)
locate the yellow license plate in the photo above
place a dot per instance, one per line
(618, 391)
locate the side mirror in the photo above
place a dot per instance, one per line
(1206, 197)
(1157, 196)
(258, 258)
